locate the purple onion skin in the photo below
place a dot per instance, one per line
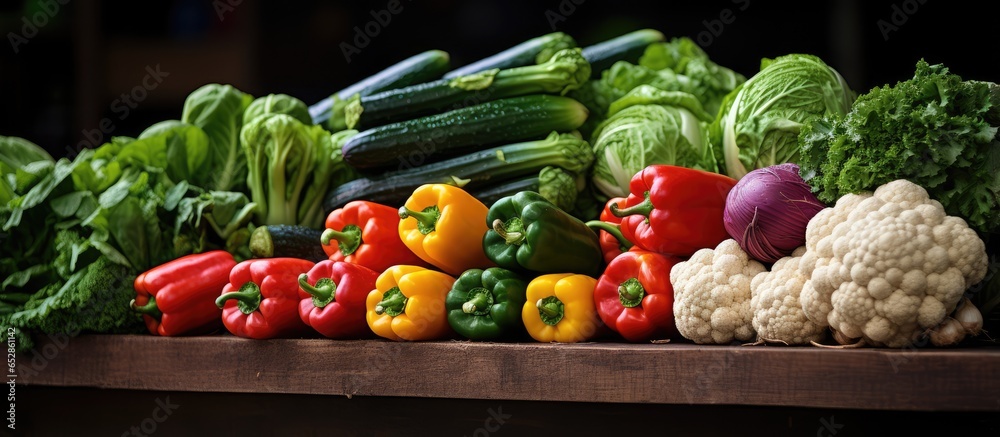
(768, 210)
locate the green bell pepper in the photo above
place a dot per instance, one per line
(527, 232)
(487, 304)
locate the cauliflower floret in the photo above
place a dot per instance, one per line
(777, 313)
(889, 265)
(712, 294)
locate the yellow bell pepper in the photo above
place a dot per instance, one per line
(560, 308)
(444, 225)
(408, 304)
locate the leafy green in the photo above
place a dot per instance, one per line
(94, 299)
(649, 126)
(16, 152)
(218, 110)
(935, 129)
(290, 165)
(678, 65)
(278, 104)
(185, 151)
(760, 122)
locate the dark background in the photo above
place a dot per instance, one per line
(64, 80)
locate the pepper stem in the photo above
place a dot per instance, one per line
(323, 293)
(643, 208)
(631, 292)
(426, 219)
(149, 309)
(614, 230)
(247, 299)
(512, 232)
(348, 239)
(393, 303)
(479, 303)
(551, 310)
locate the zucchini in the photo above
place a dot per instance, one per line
(532, 51)
(413, 142)
(419, 68)
(565, 71)
(628, 47)
(281, 241)
(478, 169)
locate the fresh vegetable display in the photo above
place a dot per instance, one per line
(486, 304)
(444, 226)
(367, 234)
(408, 303)
(560, 308)
(675, 210)
(468, 204)
(261, 300)
(635, 298)
(178, 297)
(333, 296)
(527, 232)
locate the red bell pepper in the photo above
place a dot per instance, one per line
(261, 299)
(178, 297)
(634, 296)
(675, 210)
(367, 233)
(333, 296)
(613, 243)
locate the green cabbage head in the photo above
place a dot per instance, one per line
(650, 126)
(759, 123)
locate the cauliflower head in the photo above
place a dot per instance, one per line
(712, 294)
(777, 313)
(887, 266)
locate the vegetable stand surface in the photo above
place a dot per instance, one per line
(871, 379)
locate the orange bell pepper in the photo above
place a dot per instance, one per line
(408, 304)
(444, 225)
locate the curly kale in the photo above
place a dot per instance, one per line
(935, 130)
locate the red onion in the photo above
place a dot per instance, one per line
(768, 210)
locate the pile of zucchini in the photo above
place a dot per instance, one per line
(495, 127)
